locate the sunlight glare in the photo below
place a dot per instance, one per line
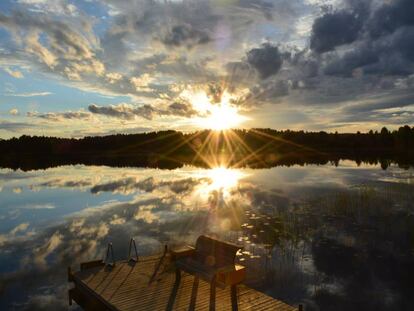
(220, 116)
(224, 178)
(220, 179)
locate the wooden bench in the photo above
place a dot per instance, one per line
(212, 261)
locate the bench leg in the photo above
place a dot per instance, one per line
(213, 295)
(194, 294)
(174, 291)
(234, 305)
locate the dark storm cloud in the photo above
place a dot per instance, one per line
(335, 29)
(391, 16)
(307, 66)
(389, 55)
(381, 43)
(185, 35)
(267, 60)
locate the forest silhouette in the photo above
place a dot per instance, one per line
(254, 148)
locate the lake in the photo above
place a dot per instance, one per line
(331, 237)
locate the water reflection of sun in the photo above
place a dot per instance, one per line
(220, 179)
(224, 178)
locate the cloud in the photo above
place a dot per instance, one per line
(131, 185)
(38, 206)
(123, 111)
(266, 7)
(334, 29)
(67, 46)
(113, 77)
(42, 252)
(268, 91)
(15, 126)
(61, 116)
(17, 190)
(63, 183)
(145, 214)
(14, 233)
(14, 73)
(391, 16)
(267, 60)
(130, 112)
(380, 43)
(183, 109)
(14, 112)
(68, 50)
(151, 50)
(61, 7)
(30, 94)
(141, 83)
(185, 35)
(20, 228)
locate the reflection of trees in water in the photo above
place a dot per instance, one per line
(347, 250)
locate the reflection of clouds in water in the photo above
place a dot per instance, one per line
(42, 252)
(116, 220)
(16, 233)
(258, 209)
(38, 206)
(131, 185)
(144, 212)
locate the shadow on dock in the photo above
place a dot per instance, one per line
(150, 284)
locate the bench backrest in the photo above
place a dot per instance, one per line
(214, 252)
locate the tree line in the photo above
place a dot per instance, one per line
(241, 148)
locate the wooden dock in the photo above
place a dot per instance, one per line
(149, 284)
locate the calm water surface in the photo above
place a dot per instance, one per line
(333, 238)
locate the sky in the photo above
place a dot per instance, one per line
(75, 68)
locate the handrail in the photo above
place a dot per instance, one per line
(109, 250)
(130, 258)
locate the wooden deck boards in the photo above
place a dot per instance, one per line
(141, 286)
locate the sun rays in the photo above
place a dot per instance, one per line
(220, 145)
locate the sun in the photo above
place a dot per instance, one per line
(221, 117)
(215, 116)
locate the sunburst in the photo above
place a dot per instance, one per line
(219, 116)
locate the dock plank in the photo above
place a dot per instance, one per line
(149, 285)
